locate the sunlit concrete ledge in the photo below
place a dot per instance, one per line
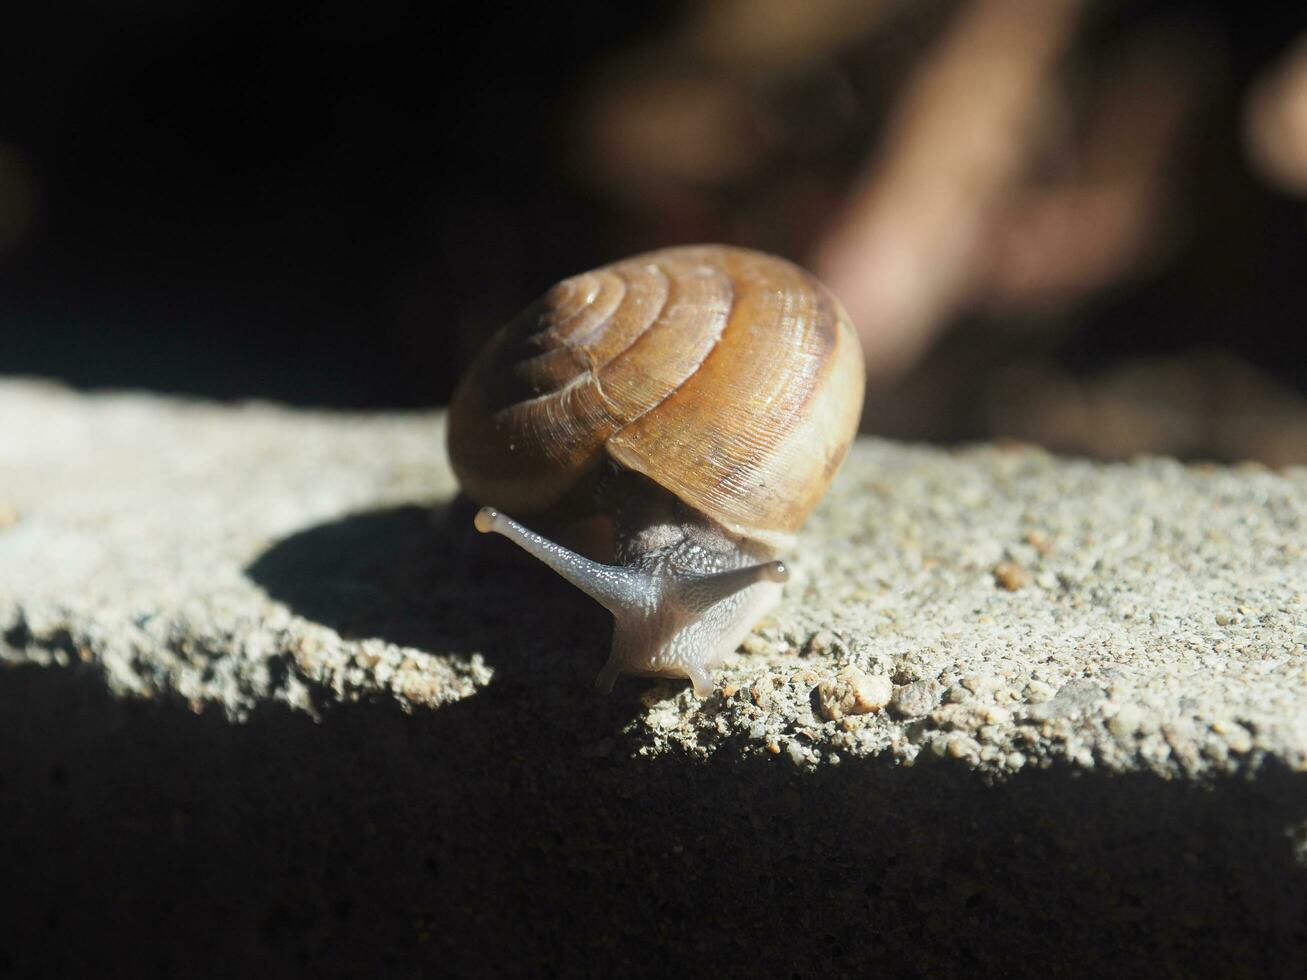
(1012, 708)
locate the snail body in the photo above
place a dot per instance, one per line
(696, 402)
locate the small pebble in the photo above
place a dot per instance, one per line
(1125, 722)
(980, 683)
(1011, 576)
(963, 747)
(853, 692)
(820, 643)
(1039, 541)
(1236, 737)
(1037, 692)
(916, 699)
(968, 717)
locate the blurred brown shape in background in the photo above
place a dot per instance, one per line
(1276, 121)
(904, 252)
(969, 179)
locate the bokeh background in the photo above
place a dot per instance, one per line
(1079, 224)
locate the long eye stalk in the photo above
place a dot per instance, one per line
(615, 588)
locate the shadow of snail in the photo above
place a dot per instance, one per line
(420, 577)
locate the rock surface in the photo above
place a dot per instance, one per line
(261, 646)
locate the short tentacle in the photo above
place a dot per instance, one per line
(702, 592)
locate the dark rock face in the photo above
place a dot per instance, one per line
(487, 839)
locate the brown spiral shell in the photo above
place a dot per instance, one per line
(729, 377)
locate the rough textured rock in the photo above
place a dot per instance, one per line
(266, 698)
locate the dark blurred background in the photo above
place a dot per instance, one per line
(1071, 223)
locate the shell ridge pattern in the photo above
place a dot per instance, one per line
(731, 470)
(610, 406)
(571, 422)
(686, 314)
(583, 346)
(553, 337)
(526, 404)
(574, 420)
(600, 301)
(628, 291)
(739, 465)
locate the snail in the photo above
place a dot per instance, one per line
(692, 406)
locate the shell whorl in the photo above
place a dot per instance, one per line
(729, 377)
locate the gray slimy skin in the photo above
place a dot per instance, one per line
(683, 595)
